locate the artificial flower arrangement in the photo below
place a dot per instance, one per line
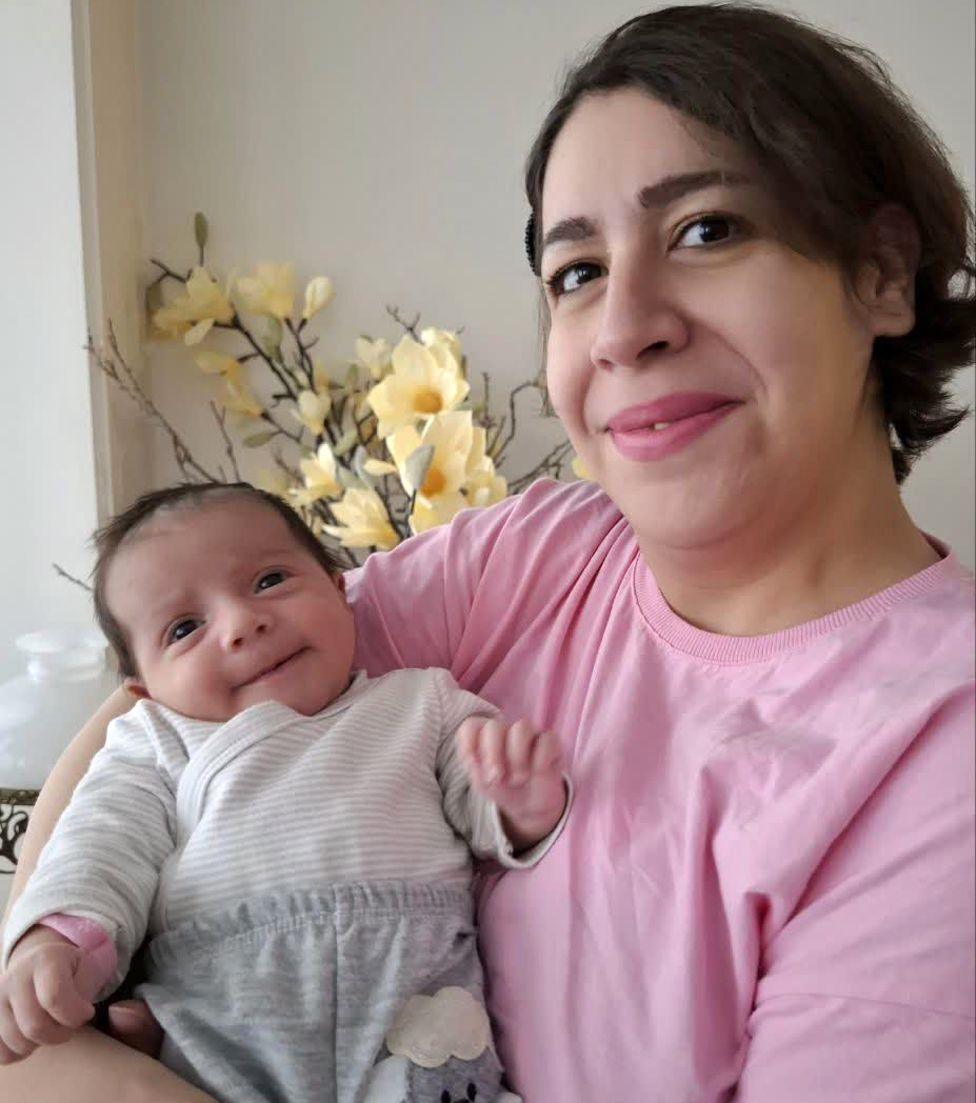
(387, 445)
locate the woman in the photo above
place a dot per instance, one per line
(760, 669)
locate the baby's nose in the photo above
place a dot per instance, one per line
(244, 624)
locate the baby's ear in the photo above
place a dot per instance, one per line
(136, 688)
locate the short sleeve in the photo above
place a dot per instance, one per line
(867, 992)
(411, 604)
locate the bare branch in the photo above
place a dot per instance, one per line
(409, 327)
(220, 416)
(71, 578)
(118, 370)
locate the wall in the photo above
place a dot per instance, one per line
(47, 489)
(382, 144)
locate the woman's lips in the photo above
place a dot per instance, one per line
(658, 429)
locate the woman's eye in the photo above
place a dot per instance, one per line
(272, 578)
(182, 629)
(709, 230)
(572, 277)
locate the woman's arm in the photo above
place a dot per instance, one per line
(54, 797)
(93, 1068)
(867, 992)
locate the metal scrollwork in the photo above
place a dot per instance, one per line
(15, 805)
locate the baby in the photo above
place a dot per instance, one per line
(295, 838)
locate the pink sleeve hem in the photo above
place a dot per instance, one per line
(89, 936)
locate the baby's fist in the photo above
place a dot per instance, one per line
(44, 994)
(519, 769)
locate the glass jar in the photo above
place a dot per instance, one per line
(41, 710)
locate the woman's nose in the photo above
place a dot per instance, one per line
(639, 323)
(242, 624)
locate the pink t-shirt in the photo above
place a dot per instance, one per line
(767, 877)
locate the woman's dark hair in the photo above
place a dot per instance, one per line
(112, 536)
(822, 119)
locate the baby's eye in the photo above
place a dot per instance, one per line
(713, 229)
(572, 277)
(269, 579)
(182, 629)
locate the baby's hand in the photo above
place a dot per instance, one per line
(45, 994)
(519, 769)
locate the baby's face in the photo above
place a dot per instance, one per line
(223, 609)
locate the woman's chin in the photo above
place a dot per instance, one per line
(694, 509)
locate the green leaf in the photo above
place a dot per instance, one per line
(352, 378)
(345, 443)
(256, 440)
(418, 464)
(273, 334)
(360, 456)
(347, 477)
(200, 229)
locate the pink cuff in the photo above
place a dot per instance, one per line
(91, 937)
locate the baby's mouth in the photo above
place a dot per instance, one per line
(273, 668)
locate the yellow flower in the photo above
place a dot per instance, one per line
(379, 468)
(450, 436)
(363, 521)
(318, 293)
(192, 315)
(483, 485)
(238, 399)
(273, 481)
(301, 497)
(418, 387)
(445, 346)
(376, 356)
(215, 363)
(579, 470)
(319, 470)
(312, 410)
(428, 515)
(320, 377)
(271, 290)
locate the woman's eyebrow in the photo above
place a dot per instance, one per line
(665, 191)
(672, 188)
(569, 229)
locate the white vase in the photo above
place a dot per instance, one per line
(41, 710)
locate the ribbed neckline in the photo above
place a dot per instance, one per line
(732, 650)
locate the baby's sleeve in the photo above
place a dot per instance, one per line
(103, 860)
(474, 818)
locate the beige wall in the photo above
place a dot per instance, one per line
(381, 142)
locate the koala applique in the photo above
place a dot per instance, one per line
(439, 1050)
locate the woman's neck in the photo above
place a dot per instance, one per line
(779, 572)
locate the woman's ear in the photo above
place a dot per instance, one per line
(136, 688)
(885, 282)
(339, 579)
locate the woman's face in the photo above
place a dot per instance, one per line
(706, 372)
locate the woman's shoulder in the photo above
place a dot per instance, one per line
(549, 522)
(554, 518)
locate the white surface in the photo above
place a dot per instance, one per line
(382, 144)
(47, 489)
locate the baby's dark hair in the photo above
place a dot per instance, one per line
(111, 536)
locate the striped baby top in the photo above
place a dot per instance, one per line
(177, 818)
